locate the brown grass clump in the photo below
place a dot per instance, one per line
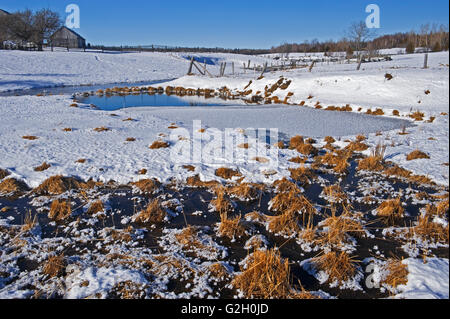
(388, 76)
(391, 211)
(285, 224)
(261, 160)
(67, 129)
(280, 145)
(338, 266)
(101, 129)
(60, 210)
(298, 160)
(42, 167)
(81, 161)
(3, 173)
(339, 228)
(302, 174)
(96, 207)
(195, 181)
(266, 276)
(154, 213)
(357, 146)
(148, 186)
(397, 171)
(54, 266)
(395, 113)
(57, 185)
(29, 222)
(329, 140)
(159, 144)
(338, 160)
(427, 229)
(30, 137)
(12, 185)
(227, 173)
(296, 141)
(375, 161)
(221, 203)
(131, 139)
(307, 149)
(244, 146)
(245, 191)
(397, 273)
(335, 194)
(230, 227)
(417, 155)
(417, 116)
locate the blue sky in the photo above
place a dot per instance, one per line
(233, 23)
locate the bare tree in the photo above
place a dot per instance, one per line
(45, 23)
(20, 25)
(359, 34)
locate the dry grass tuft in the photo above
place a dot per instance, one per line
(335, 194)
(417, 155)
(338, 266)
(42, 167)
(296, 141)
(244, 146)
(302, 174)
(245, 191)
(131, 139)
(329, 140)
(12, 185)
(285, 224)
(221, 203)
(375, 161)
(3, 173)
(266, 276)
(227, 173)
(417, 116)
(357, 146)
(391, 211)
(195, 181)
(147, 186)
(57, 185)
(159, 144)
(67, 129)
(96, 207)
(154, 213)
(54, 266)
(29, 222)
(338, 229)
(429, 230)
(60, 210)
(230, 227)
(307, 149)
(101, 129)
(30, 137)
(397, 273)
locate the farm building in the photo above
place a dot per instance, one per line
(66, 37)
(3, 12)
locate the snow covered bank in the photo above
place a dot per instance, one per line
(24, 70)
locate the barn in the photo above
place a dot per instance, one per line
(67, 38)
(3, 12)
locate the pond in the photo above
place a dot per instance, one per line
(116, 102)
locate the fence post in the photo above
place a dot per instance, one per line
(359, 63)
(232, 66)
(425, 62)
(190, 66)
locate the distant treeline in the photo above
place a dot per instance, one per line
(162, 48)
(433, 38)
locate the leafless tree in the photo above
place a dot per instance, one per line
(360, 34)
(45, 23)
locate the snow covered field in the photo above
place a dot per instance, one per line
(62, 135)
